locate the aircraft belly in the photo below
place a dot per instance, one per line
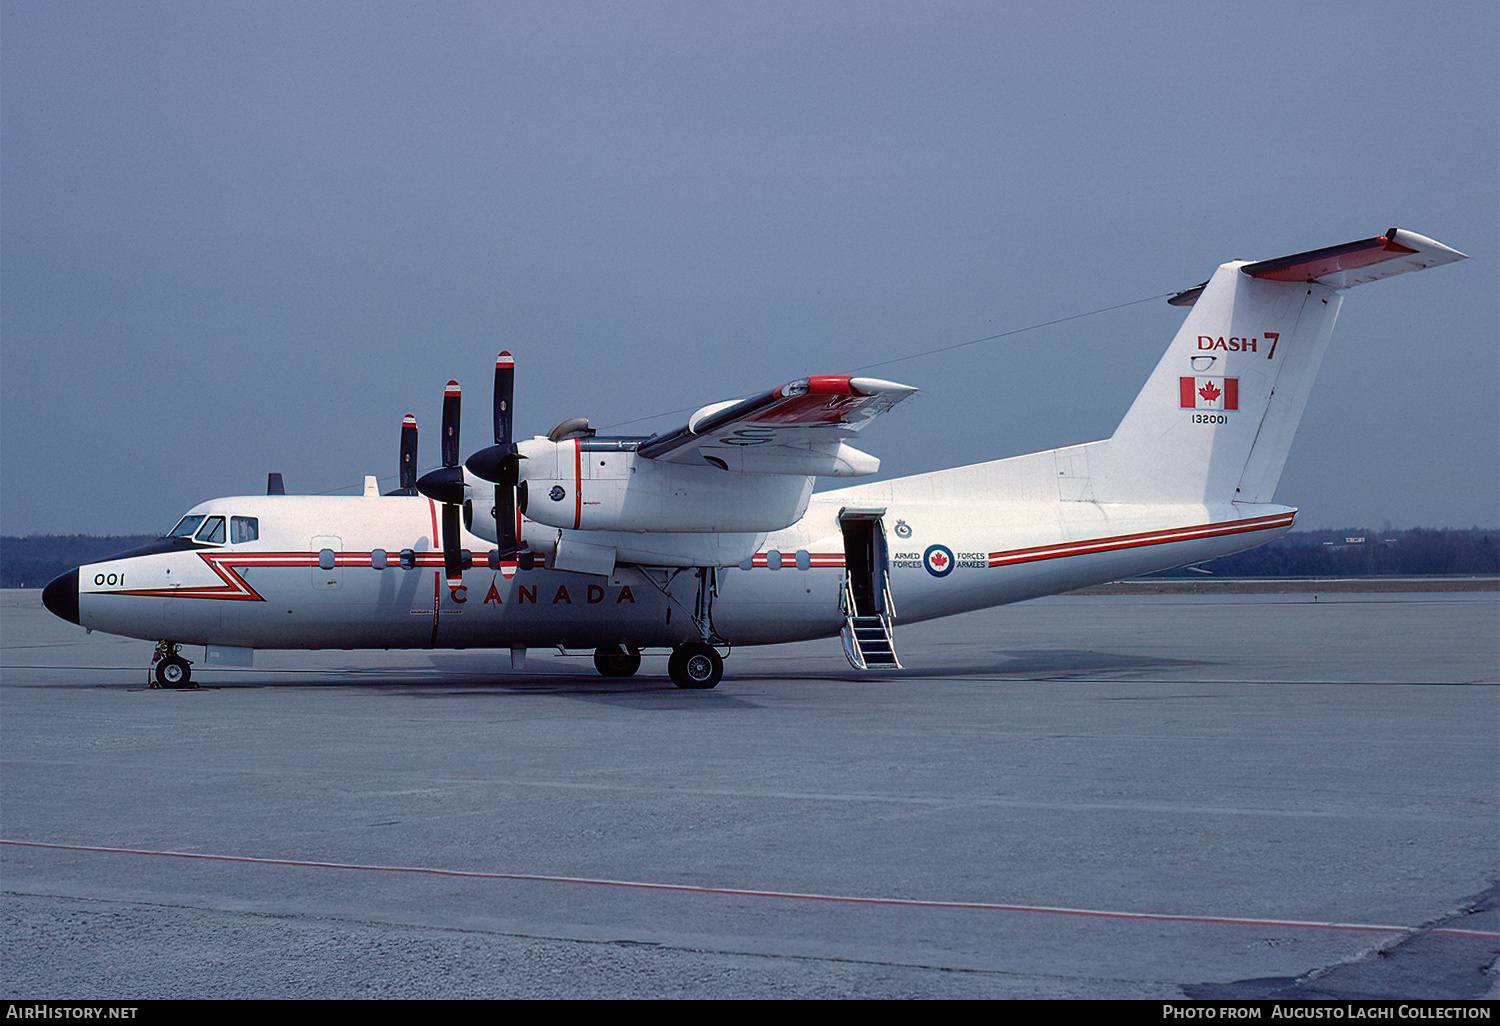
(765, 607)
(398, 608)
(545, 608)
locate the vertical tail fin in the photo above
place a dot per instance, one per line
(1216, 419)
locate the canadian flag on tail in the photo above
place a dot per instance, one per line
(1209, 393)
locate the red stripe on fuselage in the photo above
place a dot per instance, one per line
(1132, 541)
(236, 589)
(1088, 546)
(789, 559)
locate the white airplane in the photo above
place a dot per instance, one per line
(711, 536)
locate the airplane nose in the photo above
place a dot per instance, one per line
(61, 596)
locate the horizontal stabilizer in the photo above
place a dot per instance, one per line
(1354, 263)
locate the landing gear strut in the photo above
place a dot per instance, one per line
(169, 669)
(695, 666)
(617, 660)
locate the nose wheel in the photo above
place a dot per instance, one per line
(695, 666)
(169, 670)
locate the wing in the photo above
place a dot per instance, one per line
(796, 429)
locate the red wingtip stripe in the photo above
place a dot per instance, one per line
(829, 384)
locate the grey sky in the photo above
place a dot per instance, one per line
(237, 238)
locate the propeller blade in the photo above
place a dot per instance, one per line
(505, 389)
(499, 463)
(506, 534)
(453, 555)
(409, 455)
(451, 413)
(446, 484)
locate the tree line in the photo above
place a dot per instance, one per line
(1362, 552)
(33, 561)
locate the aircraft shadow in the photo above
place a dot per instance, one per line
(463, 677)
(1032, 664)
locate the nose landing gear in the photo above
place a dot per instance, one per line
(169, 669)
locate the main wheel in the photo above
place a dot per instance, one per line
(173, 672)
(695, 666)
(617, 661)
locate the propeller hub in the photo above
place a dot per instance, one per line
(445, 484)
(498, 464)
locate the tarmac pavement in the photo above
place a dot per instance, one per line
(1139, 796)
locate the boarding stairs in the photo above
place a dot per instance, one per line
(869, 643)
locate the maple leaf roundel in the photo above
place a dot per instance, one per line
(938, 559)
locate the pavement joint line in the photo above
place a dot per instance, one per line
(752, 893)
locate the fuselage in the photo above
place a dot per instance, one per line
(313, 572)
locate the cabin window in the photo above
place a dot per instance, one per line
(212, 532)
(186, 527)
(243, 529)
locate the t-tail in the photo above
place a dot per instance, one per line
(1216, 419)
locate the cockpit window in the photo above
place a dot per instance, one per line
(212, 532)
(243, 529)
(186, 527)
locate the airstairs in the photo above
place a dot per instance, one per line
(869, 643)
(868, 607)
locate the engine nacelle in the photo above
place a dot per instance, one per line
(601, 484)
(597, 552)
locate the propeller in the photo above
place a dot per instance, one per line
(446, 485)
(408, 484)
(500, 463)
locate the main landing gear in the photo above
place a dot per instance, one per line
(695, 666)
(169, 669)
(617, 660)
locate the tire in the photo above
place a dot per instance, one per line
(173, 672)
(695, 667)
(616, 661)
